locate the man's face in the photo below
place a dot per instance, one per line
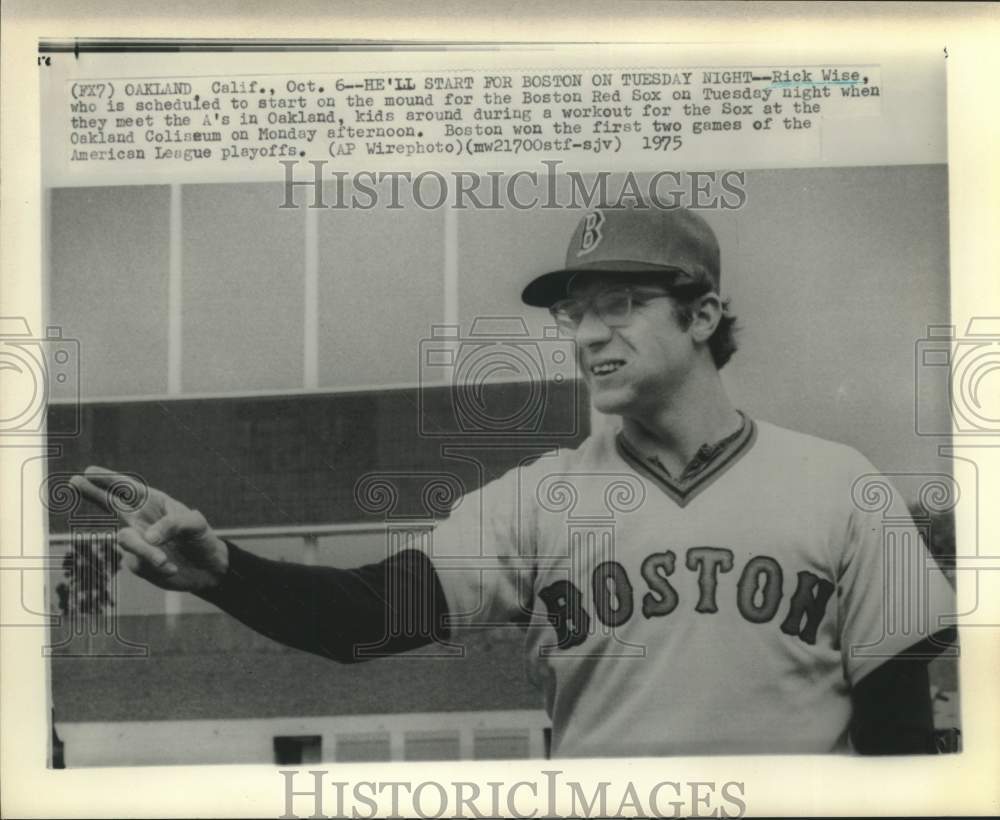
(632, 369)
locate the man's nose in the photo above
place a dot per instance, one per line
(592, 330)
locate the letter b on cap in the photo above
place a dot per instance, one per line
(592, 235)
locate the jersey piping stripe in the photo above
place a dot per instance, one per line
(683, 492)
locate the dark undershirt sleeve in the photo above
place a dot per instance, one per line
(346, 615)
(893, 713)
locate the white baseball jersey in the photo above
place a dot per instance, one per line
(727, 614)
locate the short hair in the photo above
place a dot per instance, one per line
(722, 343)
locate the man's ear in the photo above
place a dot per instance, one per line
(706, 315)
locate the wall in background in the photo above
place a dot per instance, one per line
(834, 273)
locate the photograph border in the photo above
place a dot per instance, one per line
(953, 784)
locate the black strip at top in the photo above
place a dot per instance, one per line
(171, 45)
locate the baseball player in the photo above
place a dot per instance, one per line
(691, 580)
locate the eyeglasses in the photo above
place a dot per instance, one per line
(613, 307)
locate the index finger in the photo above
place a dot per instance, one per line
(114, 491)
(105, 478)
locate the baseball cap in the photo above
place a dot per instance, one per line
(633, 240)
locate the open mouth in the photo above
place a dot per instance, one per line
(606, 368)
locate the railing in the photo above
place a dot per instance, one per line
(308, 533)
(302, 531)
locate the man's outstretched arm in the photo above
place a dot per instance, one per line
(392, 606)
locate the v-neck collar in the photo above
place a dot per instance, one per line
(682, 491)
